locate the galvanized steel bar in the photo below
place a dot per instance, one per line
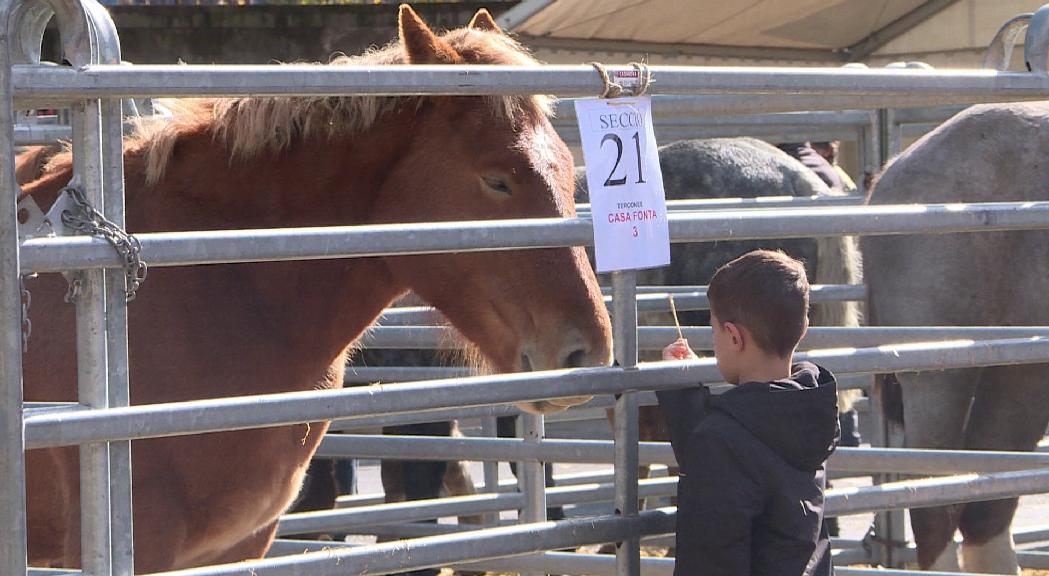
(1031, 534)
(888, 460)
(531, 474)
(187, 248)
(890, 525)
(356, 518)
(395, 513)
(933, 115)
(1033, 559)
(12, 473)
(445, 415)
(212, 415)
(121, 516)
(92, 374)
(625, 423)
(936, 491)
(889, 87)
(670, 132)
(40, 134)
(438, 551)
(701, 337)
(489, 429)
(651, 301)
(693, 204)
(675, 110)
(569, 563)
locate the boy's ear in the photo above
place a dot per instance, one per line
(737, 336)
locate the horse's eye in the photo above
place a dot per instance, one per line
(497, 186)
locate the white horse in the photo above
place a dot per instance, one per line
(986, 153)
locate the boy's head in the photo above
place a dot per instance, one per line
(759, 309)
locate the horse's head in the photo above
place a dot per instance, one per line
(482, 158)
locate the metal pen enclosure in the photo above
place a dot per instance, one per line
(103, 426)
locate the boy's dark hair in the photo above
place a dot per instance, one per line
(768, 293)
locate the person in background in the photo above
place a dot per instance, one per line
(804, 152)
(829, 152)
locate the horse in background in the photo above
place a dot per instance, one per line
(744, 168)
(230, 330)
(987, 153)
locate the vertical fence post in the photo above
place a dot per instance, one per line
(12, 433)
(532, 475)
(92, 373)
(871, 151)
(106, 50)
(489, 429)
(889, 526)
(892, 134)
(624, 334)
(117, 345)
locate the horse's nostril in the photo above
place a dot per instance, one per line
(577, 359)
(526, 363)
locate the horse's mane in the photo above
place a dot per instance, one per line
(252, 126)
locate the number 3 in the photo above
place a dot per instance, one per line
(635, 231)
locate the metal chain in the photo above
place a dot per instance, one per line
(92, 222)
(27, 324)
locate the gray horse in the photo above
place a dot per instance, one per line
(986, 153)
(744, 168)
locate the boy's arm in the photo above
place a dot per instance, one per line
(683, 409)
(717, 502)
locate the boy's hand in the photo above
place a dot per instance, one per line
(679, 350)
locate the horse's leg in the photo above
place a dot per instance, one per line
(1010, 412)
(935, 406)
(392, 474)
(457, 480)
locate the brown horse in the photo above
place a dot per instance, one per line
(212, 331)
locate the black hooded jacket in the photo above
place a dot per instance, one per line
(750, 495)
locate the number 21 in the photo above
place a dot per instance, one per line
(619, 156)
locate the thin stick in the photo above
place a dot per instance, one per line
(673, 310)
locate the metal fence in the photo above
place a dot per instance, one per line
(103, 424)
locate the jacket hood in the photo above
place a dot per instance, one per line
(796, 417)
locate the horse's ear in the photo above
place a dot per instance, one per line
(420, 43)
(483, 21)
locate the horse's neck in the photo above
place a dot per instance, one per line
(308, 312)
(318, 182)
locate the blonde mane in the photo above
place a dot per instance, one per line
(251, 126)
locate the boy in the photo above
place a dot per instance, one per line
(750, 493)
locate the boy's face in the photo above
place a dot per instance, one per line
(727, 348)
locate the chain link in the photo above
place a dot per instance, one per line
(92, 222)
(27, 324)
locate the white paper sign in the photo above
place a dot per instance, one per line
(625, 182)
